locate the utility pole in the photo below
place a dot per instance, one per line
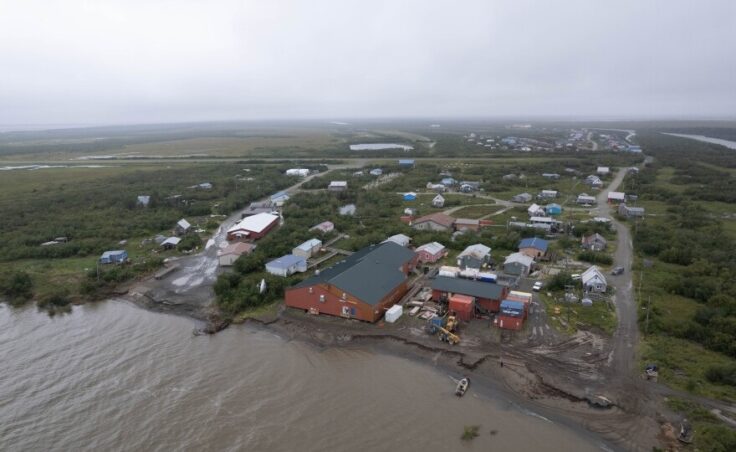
(649, 308)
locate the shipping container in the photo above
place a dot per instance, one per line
(463, 306)
(469, 273)
(487, 277)
(450, 272)
(512, 308)
(509, 323)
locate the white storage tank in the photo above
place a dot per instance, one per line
(450, 272)
(393, 313)
(469, 273)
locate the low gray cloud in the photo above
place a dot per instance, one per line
(149, 61)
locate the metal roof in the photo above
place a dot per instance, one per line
(286, 261)
(520, 258)
(309, 244)
(512, 305)
(432, 247)
(113, 253)
(478, 251)
(534, 242)
(171, 241)
(399, 239)
(439, 218)
(470, 287)
(369, 275)
(255, 223)
(592, 273)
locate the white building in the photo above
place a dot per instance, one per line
(584, 198)
(338, 185)
(308, 248)
(287, 265)
(548, 194)
(438, 201)
(301, 172)
(603, 170)
(593, 280)
(616, 196)
(536, 210)
(399, 239)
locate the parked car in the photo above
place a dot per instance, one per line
(576, 277)
(537, 286)
(617, 270)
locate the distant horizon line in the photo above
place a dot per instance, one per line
(346, 121)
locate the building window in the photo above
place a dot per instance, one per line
(321, 298)
(311, 290)
(344, 296)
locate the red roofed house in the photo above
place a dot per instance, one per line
(434, 222)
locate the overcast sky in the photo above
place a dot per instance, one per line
(136, 61)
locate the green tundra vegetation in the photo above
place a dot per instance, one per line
(686, 263)
(96, 208)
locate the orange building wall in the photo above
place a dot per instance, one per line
(334, 303)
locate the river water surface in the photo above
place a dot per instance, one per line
(728, 143)
(111, 376)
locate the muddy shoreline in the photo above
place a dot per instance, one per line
(524, 379)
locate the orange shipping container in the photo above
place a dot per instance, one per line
(463, 305)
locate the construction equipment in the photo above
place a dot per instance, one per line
(449, 322)
(450, 338)
(444, 327)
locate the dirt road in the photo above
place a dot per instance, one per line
(622, 359)
(189, 289)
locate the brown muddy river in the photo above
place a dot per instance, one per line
(111, 376)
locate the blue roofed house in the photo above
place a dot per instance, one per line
(287, 265)
(448, 182)
(406, 163)
(553, 209)
(114, 257)
(411, 196)
(278, 199)
(534, 247)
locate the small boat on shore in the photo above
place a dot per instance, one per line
(462, 386)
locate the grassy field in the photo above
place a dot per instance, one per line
(601, 317)
(682, 364)
(95, 208)
(478, 211)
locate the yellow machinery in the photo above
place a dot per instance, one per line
(448, 337)
(451, 323)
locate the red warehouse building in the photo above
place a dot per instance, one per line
(253, 227)
(362, 287)
(487, 295)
